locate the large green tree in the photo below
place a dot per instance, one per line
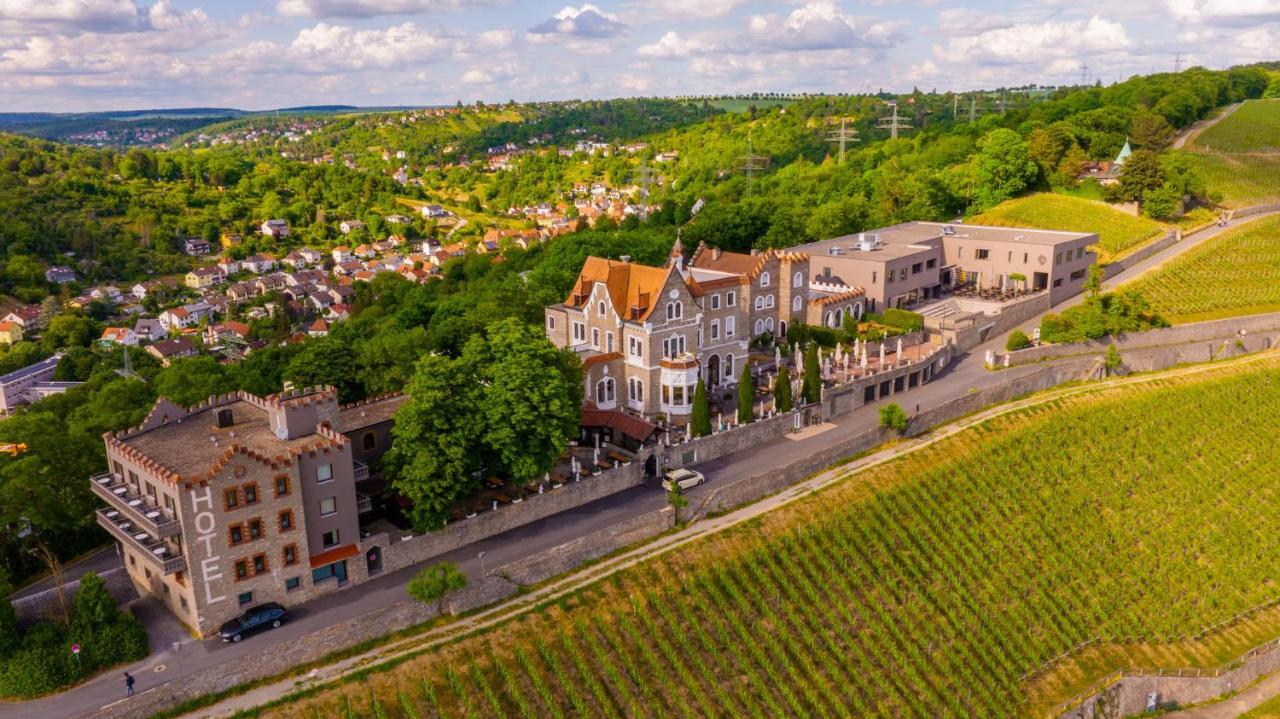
(507, 406)
(700, 418)
(811, 383)
(1004, 168)
(782, 390)
(1141, 172)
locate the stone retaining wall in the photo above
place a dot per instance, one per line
(850, 396)
(399, 553)
(714, 446)
(571, 554)
(1255, 210)
(1181, 334)
(1170, 239)
(44, 604)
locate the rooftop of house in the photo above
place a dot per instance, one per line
(190, 444)
(633, 289)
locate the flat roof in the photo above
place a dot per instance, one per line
(909, 238)
(366, 414)
(44, 365)
(187, 446)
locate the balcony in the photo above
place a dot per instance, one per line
(120, 496)
(148, 545)
(361, 470)
(364, 504)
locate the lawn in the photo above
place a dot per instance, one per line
(1117, 232)
(946, 583)
(1239, 157)
(1236, 273)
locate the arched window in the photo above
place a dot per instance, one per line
(797, 280)
(604, 391)
(768, 302)
(797, 303)
(369, 441)
(759, 326)
(826, 319)
(768, 324)
(675, 310)
(759, 303)
(839, 318)
(635, 390)
(764, 279)
(858, 310)
(600, 308)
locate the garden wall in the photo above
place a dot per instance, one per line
(1170, 239)
(400, 553)
(849, 396)
(1181, 334)
(44, 604)
(571, 554)
(1255, 210)
(734, 439)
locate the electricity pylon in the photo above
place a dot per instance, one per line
(893, 123)
(843, 136)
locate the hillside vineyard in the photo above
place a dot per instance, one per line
(930, 586)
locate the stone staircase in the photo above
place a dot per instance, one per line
(941, 309)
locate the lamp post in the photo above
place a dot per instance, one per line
(481, 557)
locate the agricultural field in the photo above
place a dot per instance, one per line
(1239, 157)
(1118, 232)
(949, 582)
(1236, 273)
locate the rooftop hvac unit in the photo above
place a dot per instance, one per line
(948, 230)
(868, 241)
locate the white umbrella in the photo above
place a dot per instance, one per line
(799, 363)
(864, 355)
(596, 456)
(898, 355)
(777, 356)
(882, 355)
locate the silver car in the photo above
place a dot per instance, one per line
(685, 478)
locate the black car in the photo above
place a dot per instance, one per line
(255, 619)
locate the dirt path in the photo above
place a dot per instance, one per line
(1246, 700)
(1198, 127)
(510, 609)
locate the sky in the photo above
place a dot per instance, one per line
(82, 55)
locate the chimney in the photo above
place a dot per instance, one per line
(715, 253)
(225, 418)
(624, 258)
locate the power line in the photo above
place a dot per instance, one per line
(893, 123)
(751, 164)
(843, 136)
(1084, 73)
(1177, 63)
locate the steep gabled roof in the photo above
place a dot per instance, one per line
(633, 289)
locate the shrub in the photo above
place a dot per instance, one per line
(1018, 340)
(906, 319)
(700, 419)
(434, 582)
(782, 390)
(893, 418)
(746, 395)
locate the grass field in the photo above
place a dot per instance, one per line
(1117, 232)
(935, 585)
(1269, 709)
(1240, 155)
(1236, 273)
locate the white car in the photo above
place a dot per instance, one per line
(686, 478)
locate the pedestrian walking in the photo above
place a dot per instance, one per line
(128, 684)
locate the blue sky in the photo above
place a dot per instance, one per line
(67, 55)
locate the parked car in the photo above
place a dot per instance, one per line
(686, 478)
(255, 619)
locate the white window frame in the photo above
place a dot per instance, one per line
(731, 298)
(551, 322)
(797, 303)
(579, 331)
(333, 504)
(765, 279)
(715, 329)
(600, 308)
(797, 280)
(729, 323)
(715, 301)
(595, 337)
(759, 303)
(768, 302)
(324, 473)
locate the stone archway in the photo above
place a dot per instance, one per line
(713, 370)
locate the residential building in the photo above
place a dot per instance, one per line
(21, 386)
(205, 277)
(434, 212)
(167, 350)
(10, 332)
(26, 317)
(60, 275)
(346, 227)
(149, 330)
(118, 336)
(243, 500)
(645, 334)
(196, 246)
(915, 262)
(275, 228)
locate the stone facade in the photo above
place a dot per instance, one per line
(239, 501)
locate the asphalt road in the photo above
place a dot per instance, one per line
(965, 373)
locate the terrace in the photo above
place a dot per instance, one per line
(137, 508)
(159, 552)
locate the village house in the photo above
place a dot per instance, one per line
(275, 229)
(341, 254)
(60, 275)
(258, 263)
(149, 330)
(318, 328)
(222, 332)
(118, 336)
(10, 332)
(196, 246)
(434, 212)
(396, 220)
(205, 277)
(167, 350)
(26, 317)
(346, 227)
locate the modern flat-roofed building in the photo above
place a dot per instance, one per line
(915, 262)
(17, 387)
(243, 500)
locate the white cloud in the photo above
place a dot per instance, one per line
(1045, 42)
(1226, 13)
(367, 8)
(672, 45)
(699, 9)
(98, 15)
(490, 74)
(820, 25)
(340, 47)
(966, 21)
(586, 22)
